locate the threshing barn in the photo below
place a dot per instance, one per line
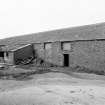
(70, 47)
(78, 46)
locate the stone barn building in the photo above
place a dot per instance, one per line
(81, 46)
(70, 47)
(88, 53)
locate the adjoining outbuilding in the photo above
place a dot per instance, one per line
(16, 54)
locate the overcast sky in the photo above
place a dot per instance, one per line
(18, 17)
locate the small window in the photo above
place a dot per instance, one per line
(66, 46)
(47, 46)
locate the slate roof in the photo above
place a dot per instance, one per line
(87, 32)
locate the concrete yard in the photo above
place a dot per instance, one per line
(54, 89)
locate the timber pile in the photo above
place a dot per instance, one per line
(27, 61)
(24, 61)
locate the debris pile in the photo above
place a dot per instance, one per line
(24, 61)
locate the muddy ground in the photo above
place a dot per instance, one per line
(54, 88)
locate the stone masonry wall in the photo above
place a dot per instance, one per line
(90, 54)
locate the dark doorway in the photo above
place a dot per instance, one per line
(1, 54)
(66, 60)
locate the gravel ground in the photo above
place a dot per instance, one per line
(54, 89)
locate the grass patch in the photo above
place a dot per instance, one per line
(87, 70)
(21, 74)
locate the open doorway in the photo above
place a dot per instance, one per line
(1, 54)
(66, 60)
